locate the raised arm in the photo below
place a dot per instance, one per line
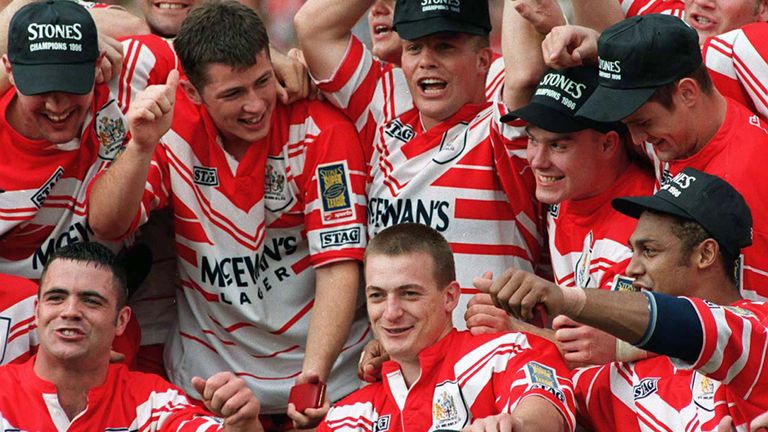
(324, 28)
(597, 14)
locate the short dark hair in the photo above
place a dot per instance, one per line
(219, 31)
(412, 237)
(98, 255)
(663, 95)
(691, 234)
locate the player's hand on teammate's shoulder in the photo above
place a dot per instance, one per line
(110, 62)
(227, 396)
(292, 74)
(151, 113)
(373, 356)
(569, 46)
(495, 423)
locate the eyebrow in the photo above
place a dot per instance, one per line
(81, 294)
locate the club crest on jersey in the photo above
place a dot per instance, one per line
(449, 410)
(703, 391)
(399, 131)
(205, 176)
(740, 311)
(554, 210)
(452, 144)
(623, 283)
(334, 191)
(5, 327)
(39, 197)
(645, 388)
(110, 130)
(545, 378)
(381, 424)
(581, 271)
(340, 237)
(277, 193)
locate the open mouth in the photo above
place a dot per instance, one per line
(57, 118)
(432, 85)
(547, 179)
(397, 330)
(381, 29)
(170, 6)
(70, 333)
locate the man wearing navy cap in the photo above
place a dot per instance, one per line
(652, 78)
(712, 341)
(579, 166)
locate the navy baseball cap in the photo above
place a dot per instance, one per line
(635, 57)
(53, 47)
(557, 98)
(703, 198)
(418, 18)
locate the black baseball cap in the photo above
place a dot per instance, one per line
(53, 46)
(557, 98)
(418, 18)
(703, 198)
(635, 57)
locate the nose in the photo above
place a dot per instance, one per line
(638, 135)
(255, 104)
(379, 8)
(71, 309)
(703, 4)
(538, 156)
(393, 311)
(55, 101)
(635, 267)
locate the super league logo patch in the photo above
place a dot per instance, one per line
(544, 378)
(206, 176)
(39, 197)
(333, 191)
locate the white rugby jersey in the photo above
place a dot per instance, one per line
(248, 236)
(736, 153)
(466, 177)
(644, 7)
(126, 401)
(43, 185)
(738, 64)
(588, 238)
(18, 338)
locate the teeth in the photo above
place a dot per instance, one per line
(252, 121)
(702, 20)
(68, 332)
(380, 29)
(548, 179)
(57, 118)
(170, 6)
(430, 81)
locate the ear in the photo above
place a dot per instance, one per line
(191, 92)
(611, 142)
(762, 11)
(484, 59)
(706, 254)
(688, 92)
(123, 316)
(451, 295)
(7, 66)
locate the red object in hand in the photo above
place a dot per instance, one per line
(307, 395)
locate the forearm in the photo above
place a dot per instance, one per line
(337, 285)
(597, 14)
(118, 23)
(622, 314)
(538, 414)
(524, 65)
(116, 196)
(324, 28)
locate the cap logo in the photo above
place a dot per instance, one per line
(51, 31)
(681, 180)
(432, 5)
(609, 69)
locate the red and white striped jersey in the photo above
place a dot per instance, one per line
(645, 7)
(588, 238)
(463, 378)
(125, 401)
(666, 394)
(466, 177)
(248, 235)
(42, 203)
(18, 338)
(737, 154)
(738, 65)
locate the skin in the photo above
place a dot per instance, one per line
(455, 63)
(408, 310)
(385, 42)
(164, 17)
(240, 102)
(714, 17)
(54, 116)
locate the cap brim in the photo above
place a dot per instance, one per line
(611, 105)
(412, 30)
(546, 118)
(635, 206)
(77, 78)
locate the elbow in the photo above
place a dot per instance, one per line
(302, 23)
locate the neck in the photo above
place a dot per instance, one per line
(236, 148)
(72, 381)
(718, 289)
(714, 109)
(609, 175)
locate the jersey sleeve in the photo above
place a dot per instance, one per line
(645, 7)
(734, 347)
(168, 409)
(537, 371)
(334, 181)
(147, 60)
(738, 65)
(509, 143)
(18, 337)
